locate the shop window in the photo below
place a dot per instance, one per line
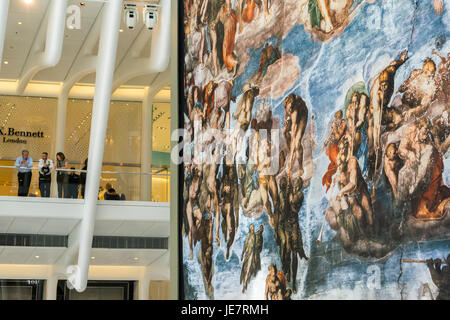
(98, 290)
(21, 289)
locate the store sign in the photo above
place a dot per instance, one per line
(16, 135)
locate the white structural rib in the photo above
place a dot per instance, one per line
(162, 80)
(159, 51)
(4, 8)
(78, 274)
(86, 60)
(85, 63)
(56, 18)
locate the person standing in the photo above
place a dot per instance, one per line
(24, 163)
(111, 194)
(74, 182)
(45, 175)
(62, 177)
(102, 193)
(83, 178)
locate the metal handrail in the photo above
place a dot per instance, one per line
(79, 170)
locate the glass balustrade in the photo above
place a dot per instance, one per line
(117, 182)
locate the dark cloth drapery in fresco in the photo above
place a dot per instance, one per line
(314, 13)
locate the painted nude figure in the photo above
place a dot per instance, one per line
(275, 284)
(441, 132)
(229, 194)
(419, 89)
(206, 245)
(355, 116)
(295, 120)
(354, 190)
(331, 12)
(228, 18)
(392, 165)
(440, 276)
(266, 178)
(194, 214)
(246, 11)
(293, 235)
(248, 251)
(259, 243)
(380, 97)
(338, 128)
(243, 115)
(426, 191)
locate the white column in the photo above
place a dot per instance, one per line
(60, 133)
(105, 70)
(4, 7)
(147, 145)
(144, 285)
(51, 287)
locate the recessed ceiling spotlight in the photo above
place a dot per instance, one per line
(5, 62)
(28, 1)
(135, 258)
(37, 257)
(120, 30)
(92, 258)
(20, 22)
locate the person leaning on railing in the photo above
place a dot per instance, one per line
(45, 175)
(24, 163)
(61, 176)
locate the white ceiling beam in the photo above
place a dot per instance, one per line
(161, 81)
(86, 59)
(158, 61)
(160, 267)
(56, 18)
(79, 91)
(4, 8)
(68, 257)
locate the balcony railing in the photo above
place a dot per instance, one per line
(126, 184)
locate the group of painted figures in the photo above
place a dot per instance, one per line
(407, 137)
(376, 139)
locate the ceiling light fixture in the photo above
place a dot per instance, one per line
(28, 1)
(120, 30)
(5, 62)
(136, 258)
(37, 257)
(20, 22)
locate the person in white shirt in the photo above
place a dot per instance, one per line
(45, 175)
(24, 164)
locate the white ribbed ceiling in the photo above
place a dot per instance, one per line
(23, 25)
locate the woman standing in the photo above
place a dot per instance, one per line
(62, 177)
(83, 178)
